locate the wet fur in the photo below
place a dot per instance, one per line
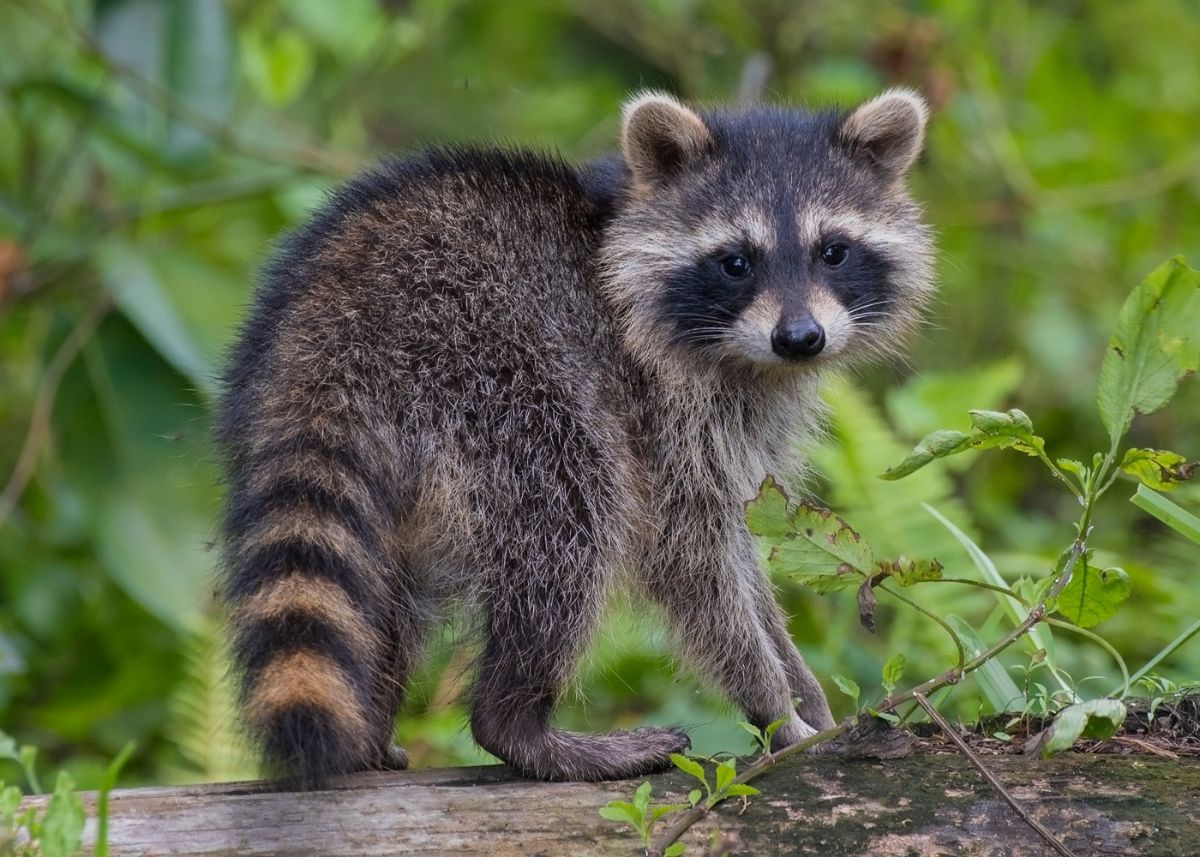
(472, 378)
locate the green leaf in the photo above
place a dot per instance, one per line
(771, 729)
(1095, 718)
(847, 686)
(691, 767)
(693, 797)
(62, 825)
(938, 444)
(742, 790)
(1093, 595)
(726, 771)
(659, 811)
(1014, 426)
(1072, 466)
(107, 783)
(893, 671)
(1158, 468)
(1169, 512)
(754, 731)
(674, 849)
(908, 572)
(146, 301)
(825, 552)
(991, 429)
(1157, 343)
(767, 514)
(641, 798)
(10, 801)
(621, 811)
(25, 757)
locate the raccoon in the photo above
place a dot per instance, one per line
(489, 377)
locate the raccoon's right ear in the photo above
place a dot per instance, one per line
(659, 137)
(888, 131)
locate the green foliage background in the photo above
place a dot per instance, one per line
(151, 152)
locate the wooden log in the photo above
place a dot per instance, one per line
(919, 805)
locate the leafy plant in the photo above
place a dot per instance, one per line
(58, 830)
(762, 737)
(641, 815)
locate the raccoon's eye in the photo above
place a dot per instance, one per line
(834, 254)
(735, 266)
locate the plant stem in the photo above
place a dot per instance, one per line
(1054, 468)
(958, 644)
(1099, 641)
(979, 584)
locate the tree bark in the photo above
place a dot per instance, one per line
(919, 805)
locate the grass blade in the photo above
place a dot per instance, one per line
(1168, 511)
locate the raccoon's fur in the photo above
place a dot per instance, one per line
(489, 375)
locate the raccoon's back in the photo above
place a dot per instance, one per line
(448, 260)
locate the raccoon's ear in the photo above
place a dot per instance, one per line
(659, 137)
(889, 130)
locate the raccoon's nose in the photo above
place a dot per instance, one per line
(795, 340)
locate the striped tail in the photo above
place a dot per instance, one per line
(312, 606)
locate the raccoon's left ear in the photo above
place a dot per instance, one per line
(660, 137)
(889, 130)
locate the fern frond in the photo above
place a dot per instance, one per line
(203, 723)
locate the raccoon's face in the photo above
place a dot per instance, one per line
(774, 238)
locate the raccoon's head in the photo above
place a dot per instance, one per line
(772, 238)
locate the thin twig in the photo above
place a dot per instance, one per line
(995, 783)
(43, 405)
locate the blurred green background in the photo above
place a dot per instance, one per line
(151, 152)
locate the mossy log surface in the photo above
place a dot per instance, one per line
(919, 805)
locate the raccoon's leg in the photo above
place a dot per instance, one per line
(811, 704)
(708, 591)
(325, 624)
(544, 589)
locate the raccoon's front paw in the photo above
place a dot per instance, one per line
(792, 732)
